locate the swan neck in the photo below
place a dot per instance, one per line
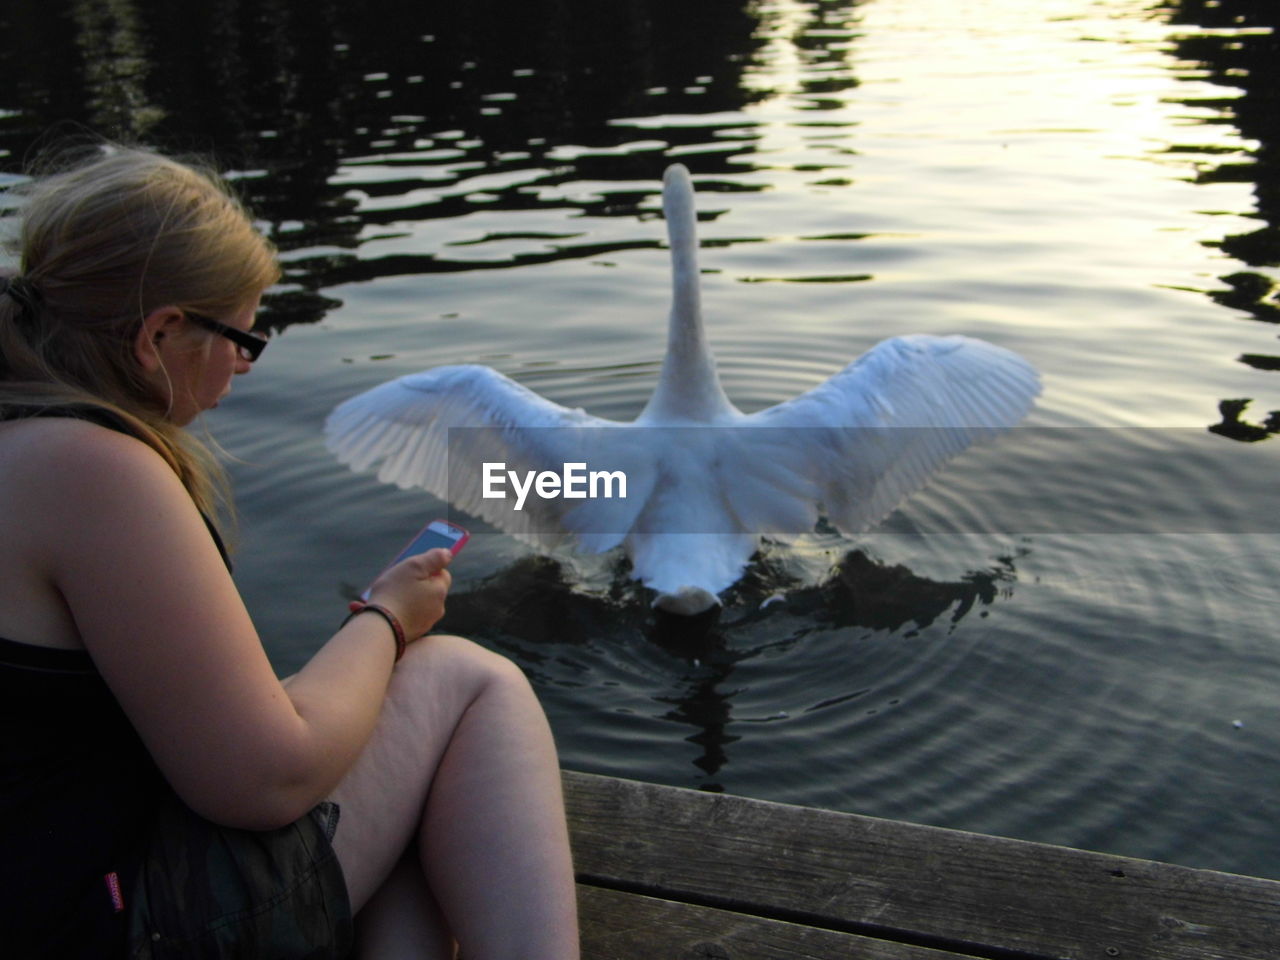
(688, 386)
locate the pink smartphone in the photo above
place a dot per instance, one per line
(437, 533)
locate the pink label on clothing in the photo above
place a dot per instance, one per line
(113, 887)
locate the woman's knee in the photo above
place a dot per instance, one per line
(459, 664)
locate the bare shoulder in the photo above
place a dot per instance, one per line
(77, 497)
(82, 488)
(58, 450)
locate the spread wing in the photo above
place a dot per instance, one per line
(858, 444)
(436, 429)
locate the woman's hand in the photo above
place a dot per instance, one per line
(414, 590)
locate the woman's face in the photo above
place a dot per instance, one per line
(201, 375)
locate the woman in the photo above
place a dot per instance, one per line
(160, 789)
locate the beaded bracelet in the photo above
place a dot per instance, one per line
(359, 606)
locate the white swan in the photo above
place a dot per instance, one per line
(704, 480)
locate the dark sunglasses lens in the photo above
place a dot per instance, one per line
(251, 349)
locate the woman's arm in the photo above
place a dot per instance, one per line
(159, 613)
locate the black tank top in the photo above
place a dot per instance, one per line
(78, 791)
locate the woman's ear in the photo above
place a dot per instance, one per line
(154, 335)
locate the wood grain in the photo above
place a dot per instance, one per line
(623, 926)
(912, 884)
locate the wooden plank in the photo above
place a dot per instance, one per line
(945, 889)
(628, 926)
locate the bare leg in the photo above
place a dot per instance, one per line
(463, 761)
(401, 921)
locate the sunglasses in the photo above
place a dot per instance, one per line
(250, 344)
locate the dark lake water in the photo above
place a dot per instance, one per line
(1071, 636)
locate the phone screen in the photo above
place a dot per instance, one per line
(437, 533)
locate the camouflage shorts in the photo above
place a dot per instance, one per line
(206, 891)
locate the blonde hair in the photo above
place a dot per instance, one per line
(103, 242)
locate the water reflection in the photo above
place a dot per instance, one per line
(117, 63)
(338, 118)
(296, 93)
(535, 610)
(1237, 51)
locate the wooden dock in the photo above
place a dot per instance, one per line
(669, 874)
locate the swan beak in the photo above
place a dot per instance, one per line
(686, 602)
